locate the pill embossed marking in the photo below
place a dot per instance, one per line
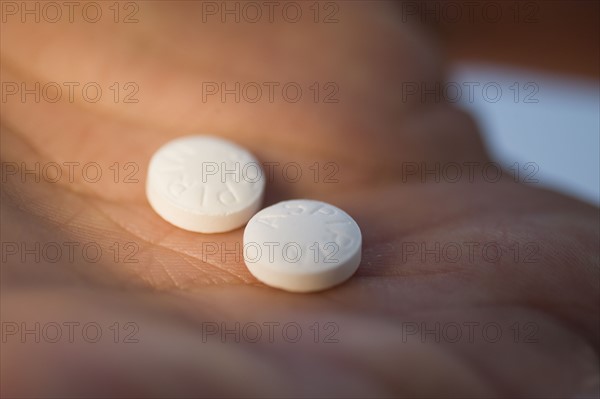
(221, 180)
(204, 184)
(331, 231)
(302, 245)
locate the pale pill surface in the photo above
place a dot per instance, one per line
(302, 245)
(204, 184)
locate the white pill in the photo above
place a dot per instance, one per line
(204, 184)
(302, 245)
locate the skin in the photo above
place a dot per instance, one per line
(175, 288)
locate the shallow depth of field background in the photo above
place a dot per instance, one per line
(560, 132)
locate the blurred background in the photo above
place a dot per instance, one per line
(540, 55)
(557, 133)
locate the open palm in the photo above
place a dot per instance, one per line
(351, 136)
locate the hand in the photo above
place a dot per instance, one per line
(547, 292)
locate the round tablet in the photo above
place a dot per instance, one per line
(302, 245)
(204, 184)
